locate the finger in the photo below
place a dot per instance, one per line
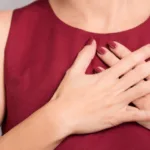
(120, 52)
(108, 57)
(135, 92)
(133, 77)
(130, 61)
(133, 114)
(140, 102)
(118, 49)
(111, 57)
(84, 58)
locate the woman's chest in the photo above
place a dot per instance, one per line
(34, 70)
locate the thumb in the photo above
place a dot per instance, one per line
(133, 114)
(85, 57)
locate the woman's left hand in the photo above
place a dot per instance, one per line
(112, 56)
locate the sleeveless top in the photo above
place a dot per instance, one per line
(39, 50)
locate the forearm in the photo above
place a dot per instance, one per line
(41, 131)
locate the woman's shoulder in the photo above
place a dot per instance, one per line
(30, 15)
(34, 9)
(5, 23)
(7, 17)
(15, 21)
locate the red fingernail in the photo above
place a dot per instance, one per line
(97, 70)
(112, 44)
(89, 42)
(101, 50)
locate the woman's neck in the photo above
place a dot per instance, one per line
(98, 8)
(105, 15)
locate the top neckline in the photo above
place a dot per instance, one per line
(71, 29)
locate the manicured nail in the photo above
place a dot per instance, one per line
(112, 44)
(98, 69)
(101, 50)
(89, 42)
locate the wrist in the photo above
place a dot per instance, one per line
(58, 119)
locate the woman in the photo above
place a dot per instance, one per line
(46, 108)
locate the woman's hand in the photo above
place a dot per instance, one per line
(91, 103)
(118, 51)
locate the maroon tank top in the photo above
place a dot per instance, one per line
(39, 50)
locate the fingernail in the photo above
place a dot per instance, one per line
(112, 44)
(98, 69)
(90, 41)
(101, 50)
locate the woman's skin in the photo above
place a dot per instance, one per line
(94, 15)
(72, 105)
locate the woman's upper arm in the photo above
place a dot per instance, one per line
(5, 23)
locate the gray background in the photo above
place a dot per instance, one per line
(11, 4)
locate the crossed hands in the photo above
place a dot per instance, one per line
(112, 56)
(91, 103)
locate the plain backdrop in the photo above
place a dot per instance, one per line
(12, 4)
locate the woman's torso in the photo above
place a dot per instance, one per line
(39, 50)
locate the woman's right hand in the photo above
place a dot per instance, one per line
(91, 103)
